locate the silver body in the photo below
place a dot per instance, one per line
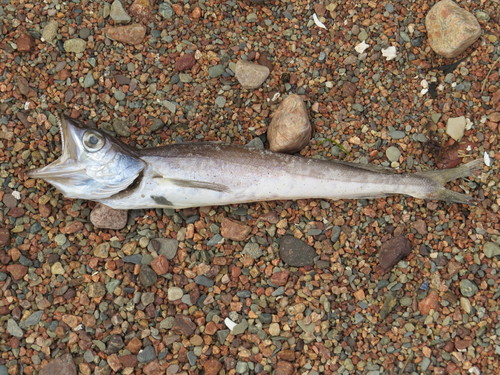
(96, 166)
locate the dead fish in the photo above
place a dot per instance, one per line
(98, 167)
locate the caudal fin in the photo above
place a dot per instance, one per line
(441, 177)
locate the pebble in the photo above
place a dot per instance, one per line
(274, 329)
(4, 237)
(393, 153)
(147, 354)
(130, 34)
(96, 290)
(290, 129)
(62, 365)
(429, 303)
(253, 250)
(147, 276)
(234, 230)
(164, 246)
(241, 367)
(160, 264)
(102, 250)
(240, 328)
(49, 32)
(468, 288)
(32, 320)
(491, 250)
(393, 251)
(174, 293)
(185, 62)
(455, 127)
(75, 45)
(220, 101)
(57, 269)
(88, 81)
(165, 10)
(106, 217)
(118, 13)
(25, 43)
(215, 71)
(121, 127)
(444, 16)
(397, 134)
(250, 75)
(295, 252)
(17, 271)
(211, 367)
(184, 325)
(204, 281)
(14, 329)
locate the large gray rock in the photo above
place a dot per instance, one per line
(290, 129)
(451, 29)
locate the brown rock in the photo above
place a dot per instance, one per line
(211, 328)
(16, 212)
(463, 344)
(184, 325)
(114, 362)
(393, 251)
(24, 88)
(280, 278)
(25, 43)
(284, 368)
(185, 62)
(4, 237)
(63, 365)
(451, 29)
(429, 303)
(45, 210)
(129, 360)
(349, 89)
(212, 367)
(295, 252)
(17, 271)
(130, 34)
(72, 227)
(234, 230)
(153, 368)
(196, 13)
(250, 75)
(287, 355)
(141, 9)
(420, 227)
(134, 345)
(290, 129)
(160, 264)
(106, 217)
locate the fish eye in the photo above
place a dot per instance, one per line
(93, 141)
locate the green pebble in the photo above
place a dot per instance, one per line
(60, 239)
(119, 95)
(468, 288)
(491, 249)
(88, 81)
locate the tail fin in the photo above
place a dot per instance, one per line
(443, 176)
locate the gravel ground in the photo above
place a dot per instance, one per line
(214, 289)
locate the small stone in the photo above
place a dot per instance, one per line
(14, 329)
(220, 101)
(102, 250)
(491, 250)
(165, 10)
(118, 13)
(62, 365)
(349, 89)
(451, 29)
(49, 32)
(204, 281)
(164, 246)
(96, 290)
(57, 269)
(284, 368)
(75, 45)
(134, 345)
(184, 325)
(393, 251)
(88, 81)
(466, 305)
(33, 319)
(17, 271)
(253, 250)
(141, 9)
(185, 62)
(250, 75)
(154, 368)
(234, 230)
(393, 153)
(240, 328)
(106, 217)
(114, 362)
(128, 360)
(290, 129)
(174, 293)
(295, 252)
(25, 43)
(130, 34)
(389, 304)
(468, 288)
(455, 127)
(160, 264)
(280, 278)
(121, 127)
(274, 329)
(212, 366)
(420, 226)
(147, 354)
(4, 237)
(429, 303)
(119, 95)
(241, 367)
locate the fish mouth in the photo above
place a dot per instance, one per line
(67, 164)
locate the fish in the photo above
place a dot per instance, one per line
(96, 166)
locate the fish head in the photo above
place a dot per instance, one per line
(92, 165)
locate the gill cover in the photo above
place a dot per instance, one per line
(92, 165)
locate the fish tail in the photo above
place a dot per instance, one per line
(443, 176)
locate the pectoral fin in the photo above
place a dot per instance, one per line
(195, 184)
